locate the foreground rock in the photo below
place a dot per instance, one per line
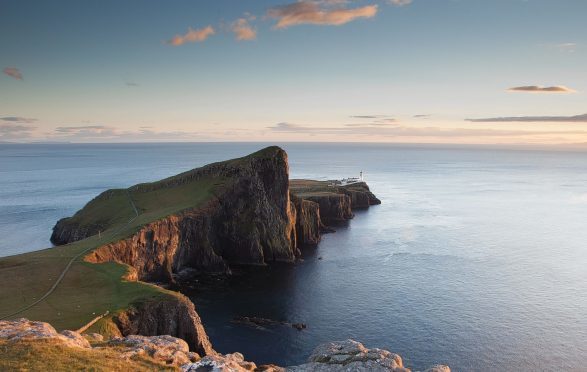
(167, 349)
(338, 356)
(26, 330)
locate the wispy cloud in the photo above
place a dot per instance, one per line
(534, 119)
(541, 89)
(400, 2)
(192, 36)
(562, 47)
(131, 84)
(394, 131)
(318, 13)
(13, 72)
(18, 119)
(97, 133)
(243, 30)
(10, 132)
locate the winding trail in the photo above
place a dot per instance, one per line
(73, 259)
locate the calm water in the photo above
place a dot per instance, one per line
(477, 258)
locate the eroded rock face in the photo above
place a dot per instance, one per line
(309, 225)
(26, 330)
(334, 208)
(175, 317)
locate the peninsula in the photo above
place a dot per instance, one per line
(100, 277)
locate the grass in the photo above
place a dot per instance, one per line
(88, 290)
(41, 356)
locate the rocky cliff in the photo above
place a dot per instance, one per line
(173, 316)
(249, 219)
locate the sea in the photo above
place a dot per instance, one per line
(476, 258)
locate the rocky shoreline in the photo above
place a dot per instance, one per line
(171, 352)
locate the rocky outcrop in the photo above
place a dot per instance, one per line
(334, 208)
(250, 220)
(337, 356)
(167, 349)
(309, 226)
(175, 316)
(26, 330)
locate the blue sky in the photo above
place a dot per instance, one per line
(328, 70)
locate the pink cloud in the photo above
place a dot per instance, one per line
(13, 72)
(192, 36)
(310, 12)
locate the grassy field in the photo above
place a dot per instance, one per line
(41, 356)
(88, 290)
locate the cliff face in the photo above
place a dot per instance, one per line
(309, 226)
(250, 220)
(174, 316)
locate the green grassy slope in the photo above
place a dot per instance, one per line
(88, 290)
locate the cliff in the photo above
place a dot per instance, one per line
(247, 218)
(172, 316)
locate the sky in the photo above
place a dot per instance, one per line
(419, 71)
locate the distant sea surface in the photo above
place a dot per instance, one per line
(477, 257)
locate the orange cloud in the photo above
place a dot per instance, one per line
(539, 89)
(192, 36)
(13, 72)
(309, 12)
(243, 30)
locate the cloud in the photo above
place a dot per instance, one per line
(192, 36)
(540, 89)
(534, 119)
(367, 116)
(15, 132)
(13, 72)
(131, 84)
(97, 133)
(422, 116)
(318, 13)
(18, 119)
(243, 30)
(400, 2)
(393, 131)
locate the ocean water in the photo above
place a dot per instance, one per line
(477, 257)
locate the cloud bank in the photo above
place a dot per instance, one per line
(540, 89)
(400, 131)
(310, 12)
(534, 119)
(192, 36)
(13, 72)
